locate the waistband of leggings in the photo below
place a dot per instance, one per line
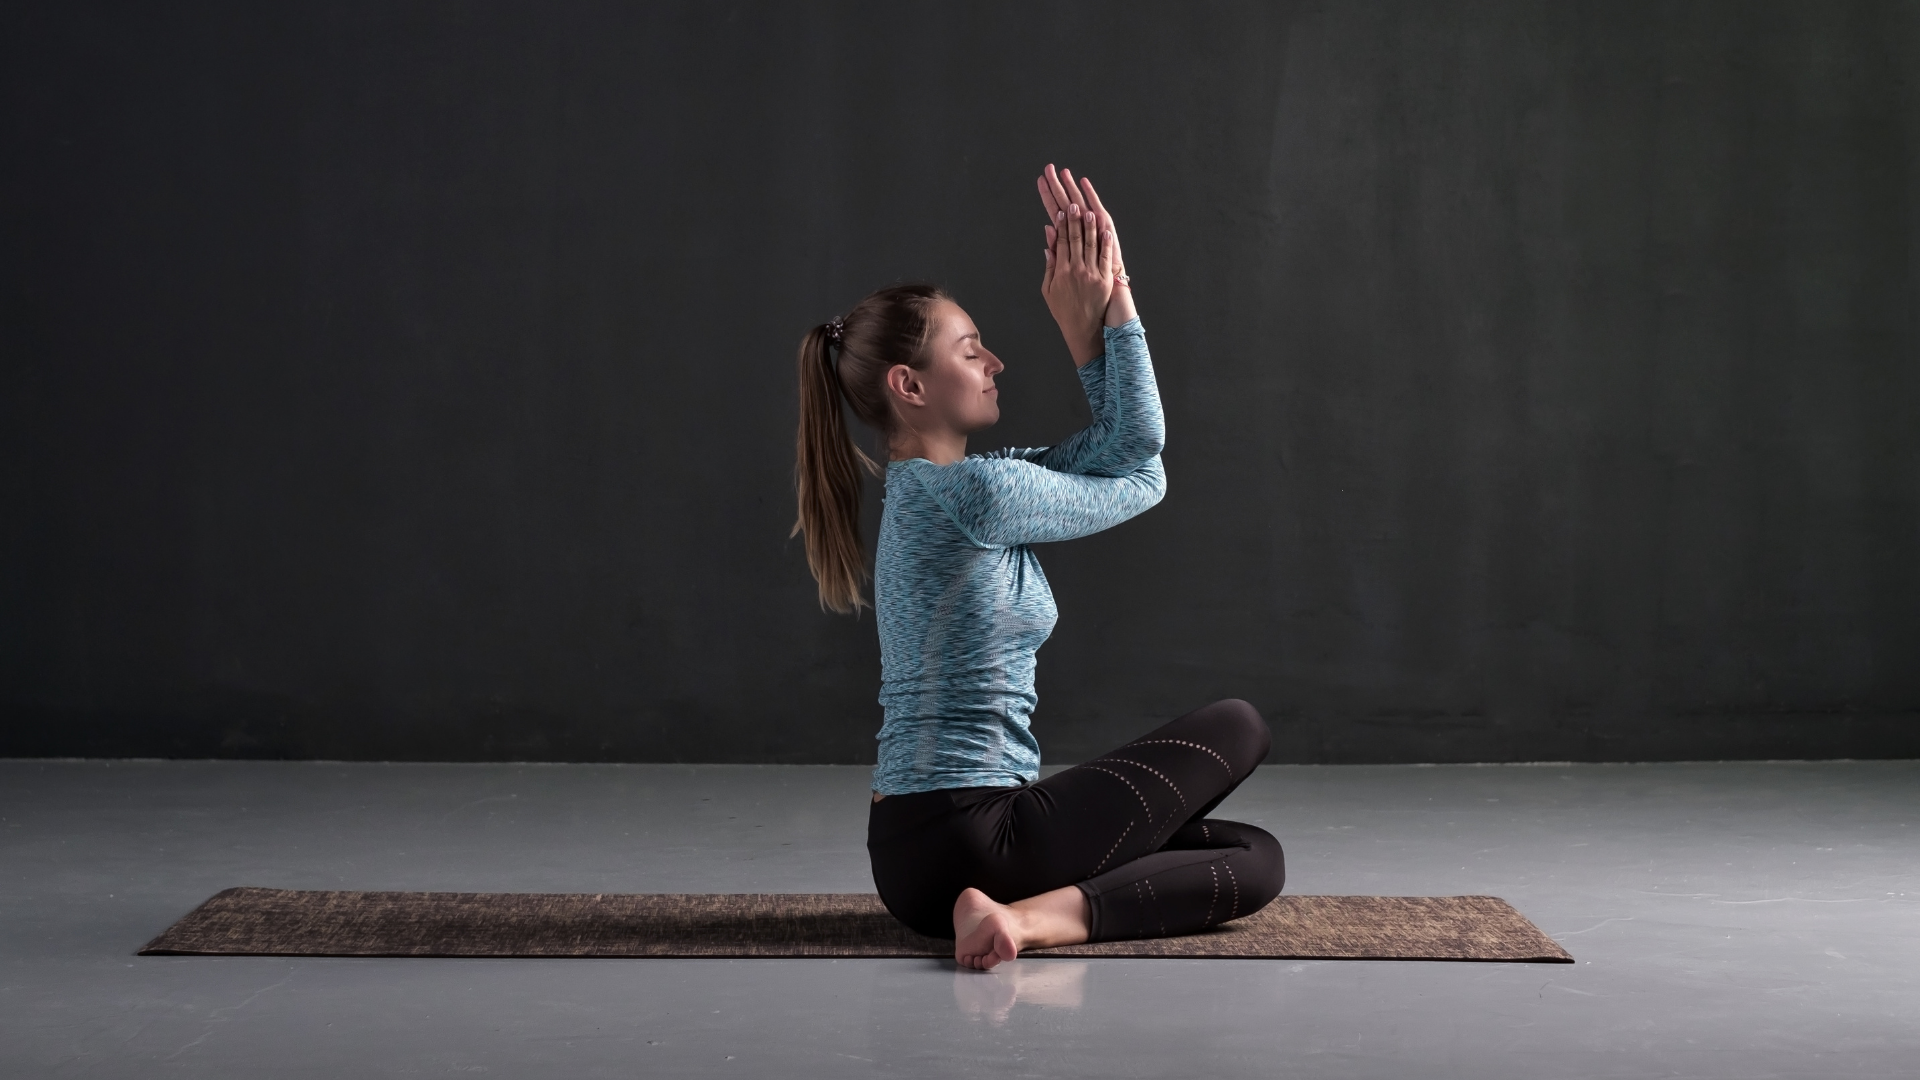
(898, 815)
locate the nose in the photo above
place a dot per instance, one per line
(994, 366)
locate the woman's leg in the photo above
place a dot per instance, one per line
(1065, 916)
(987, 933)
(1177, 890)
(1126, 832)
(1084, 821)
(1213, 872)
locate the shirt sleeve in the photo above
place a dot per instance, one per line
(1001, 502)
(1128, 428)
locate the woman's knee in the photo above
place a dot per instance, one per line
(924, 912)
(1235, 724)
(1261, 868)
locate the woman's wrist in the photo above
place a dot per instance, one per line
(1120, 309)
(1088, 348)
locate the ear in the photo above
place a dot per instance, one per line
(904, 383)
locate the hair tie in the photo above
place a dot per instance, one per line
(836, 328)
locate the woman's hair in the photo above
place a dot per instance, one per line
(849, 358)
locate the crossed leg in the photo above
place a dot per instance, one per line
(1122, 847)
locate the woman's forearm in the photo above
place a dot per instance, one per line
(1085, 347)
(1128, 426)
(1120, 310)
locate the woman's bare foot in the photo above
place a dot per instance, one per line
(986, 933)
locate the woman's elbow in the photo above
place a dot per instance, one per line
(1145, 443)
(1154, 480)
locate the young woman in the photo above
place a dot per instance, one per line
(966, 839)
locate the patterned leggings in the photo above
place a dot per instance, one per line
(1130, 829)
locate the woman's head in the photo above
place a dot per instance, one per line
(948, 394)
(909, 362)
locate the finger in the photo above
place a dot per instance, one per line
(1106, 222)
(1089, 240)
(1099, 208)
(1058, 191)
(1092, 202)
(1046, 196)
(1091, 196)
(1082, 238)
(1072, 189)
(1049, 236)
(1070, 239)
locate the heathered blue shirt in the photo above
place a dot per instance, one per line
(961, 602)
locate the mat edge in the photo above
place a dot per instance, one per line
(154, 947)
(1035, 954)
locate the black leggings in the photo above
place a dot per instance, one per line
(1130, 829)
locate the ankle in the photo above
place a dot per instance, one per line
(1026, 926)
(1056, 918)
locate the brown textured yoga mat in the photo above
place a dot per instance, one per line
(283, 922)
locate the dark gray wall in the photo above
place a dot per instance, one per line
(414, 380)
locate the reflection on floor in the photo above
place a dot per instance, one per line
(991, 995)
(1751, 920)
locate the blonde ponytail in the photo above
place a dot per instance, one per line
(847, 360)
(826, 476)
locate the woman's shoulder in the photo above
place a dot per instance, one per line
(975, 472)
(990, 463)
(1014, 453)
(975, 486)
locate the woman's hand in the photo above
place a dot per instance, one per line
(1078, 283)
(1058, 192)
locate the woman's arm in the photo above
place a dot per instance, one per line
(1001, 502)
(1056, 195)
(1078, 281)
(1127, 427)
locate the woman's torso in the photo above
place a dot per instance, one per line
(959, 627)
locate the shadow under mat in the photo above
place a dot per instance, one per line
(287, 922)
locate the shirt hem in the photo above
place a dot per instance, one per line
(946, 781)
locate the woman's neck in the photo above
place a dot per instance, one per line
(941, 447)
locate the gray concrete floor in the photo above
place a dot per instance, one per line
(1730, 920)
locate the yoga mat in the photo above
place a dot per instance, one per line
(284, 922)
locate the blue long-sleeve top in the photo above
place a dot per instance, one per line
(961, 602)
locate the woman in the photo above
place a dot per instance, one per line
(965, 838)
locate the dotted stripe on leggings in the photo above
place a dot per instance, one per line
(1214, 869)
(1235, 912)
(1151, 769)
(1208, 750)
(1144, 806)
(1155, 897)
(1114, 848)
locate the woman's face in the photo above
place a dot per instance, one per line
(958, 378)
